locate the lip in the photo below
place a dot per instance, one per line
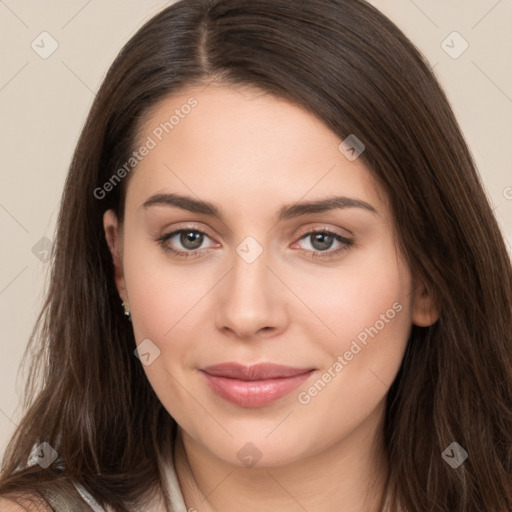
(254, 386)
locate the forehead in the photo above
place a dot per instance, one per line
(230, 143)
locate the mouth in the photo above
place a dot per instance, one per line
(254, 386)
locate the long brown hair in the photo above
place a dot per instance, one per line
(342, 60)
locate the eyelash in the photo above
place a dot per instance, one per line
(327, 254)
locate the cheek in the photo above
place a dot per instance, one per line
(167, 301)
(370, 312)
(371, 289)
(368, 307)
(162, 294)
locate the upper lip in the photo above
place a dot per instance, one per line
(260, 371)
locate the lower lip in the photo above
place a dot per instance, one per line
(254, 393)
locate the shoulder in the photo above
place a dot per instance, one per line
(36, 492)
(25, 504)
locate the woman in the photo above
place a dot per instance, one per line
(277, 281)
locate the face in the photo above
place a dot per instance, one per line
(258, 276)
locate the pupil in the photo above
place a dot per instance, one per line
(191, 239)
(324, 239)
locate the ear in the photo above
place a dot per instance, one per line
(113, 235)
(425, 310)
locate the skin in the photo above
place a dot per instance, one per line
(250, 153)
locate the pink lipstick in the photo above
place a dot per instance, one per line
(254, 386)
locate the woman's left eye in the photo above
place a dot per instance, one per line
(191, 240)
(322, 240)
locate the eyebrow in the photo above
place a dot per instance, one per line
(285, 212)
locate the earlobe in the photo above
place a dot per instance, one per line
(113, 237)
(425, 310)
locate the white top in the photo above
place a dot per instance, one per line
(173, 489)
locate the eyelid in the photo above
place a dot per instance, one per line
(324, 228)
(185, 227)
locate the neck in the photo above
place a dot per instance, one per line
(349, 476)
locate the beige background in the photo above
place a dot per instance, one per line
(44, 102)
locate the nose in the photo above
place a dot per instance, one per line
(250, 301)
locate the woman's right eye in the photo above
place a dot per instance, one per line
(189, 239)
